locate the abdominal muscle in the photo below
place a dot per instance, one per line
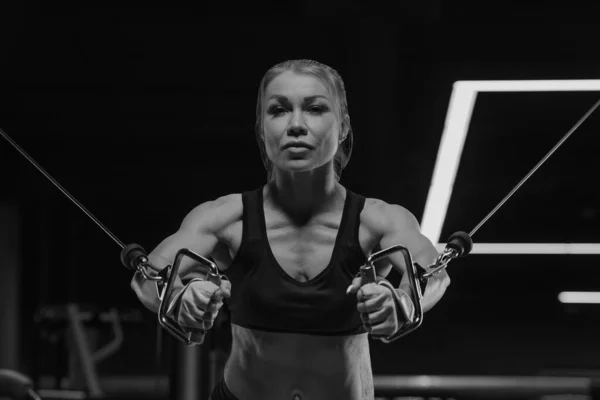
(293, 366)
(278, 366)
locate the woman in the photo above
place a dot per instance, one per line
(291, 250)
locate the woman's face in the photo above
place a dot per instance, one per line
(300, 127)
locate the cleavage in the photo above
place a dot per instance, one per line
(302, 252)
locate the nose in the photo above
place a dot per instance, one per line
(297, 126)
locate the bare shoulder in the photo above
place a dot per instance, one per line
(381, 217)
(395, 224)
(216, 215)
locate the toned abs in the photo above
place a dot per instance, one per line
(270, 365)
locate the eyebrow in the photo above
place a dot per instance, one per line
(306, 99)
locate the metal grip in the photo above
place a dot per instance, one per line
(134, 257)
(212, 275)
(459, 244)
(368, 275)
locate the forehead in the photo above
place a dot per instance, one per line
(292, 85)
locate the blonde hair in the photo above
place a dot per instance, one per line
(334, 83)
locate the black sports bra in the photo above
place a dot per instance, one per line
(265, 297)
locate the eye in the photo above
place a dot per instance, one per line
(275, 110)
(317, 109)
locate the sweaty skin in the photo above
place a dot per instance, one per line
(307, 366)
(269, 365)
(301, 129)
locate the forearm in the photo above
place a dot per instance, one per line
(436, 287)
(146, 290)
(433, 293)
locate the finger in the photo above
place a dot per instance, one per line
(193, 317)
(201, 291)
(225, 288)
(206, 325)
(381, 330)
(192, 314)
(379, 336)
(191, 320)
(367, 327)
(207, 316)
(197, 336)
(214, 307)
(364, 317)
(354, 286)
(370, 290)
(196, 319)
(223, 292)
(207, 288)
(376, 303)
(379, 316)
(375, 317)
(217, 297)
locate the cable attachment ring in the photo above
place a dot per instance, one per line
(441, 263)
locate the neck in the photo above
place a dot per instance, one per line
(303, 194)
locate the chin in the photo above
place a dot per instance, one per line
(305, 166)
(302, 165)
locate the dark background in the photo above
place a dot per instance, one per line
(143, 111)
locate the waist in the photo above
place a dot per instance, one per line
(294, 348)
(281, 365)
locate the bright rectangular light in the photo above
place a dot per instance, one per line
(446, 165)
(579, 297)
(456, 126)
(532, 248)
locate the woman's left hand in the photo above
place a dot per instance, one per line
(376, 307)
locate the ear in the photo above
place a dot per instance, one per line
(345, 128)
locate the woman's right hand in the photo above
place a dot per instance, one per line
(198, 305)
(195, 306)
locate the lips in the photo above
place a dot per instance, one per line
(297, 144)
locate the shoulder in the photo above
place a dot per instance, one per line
(216, 215)
(383, 217)
(394, 224)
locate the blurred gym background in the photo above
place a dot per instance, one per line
(142, 111)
